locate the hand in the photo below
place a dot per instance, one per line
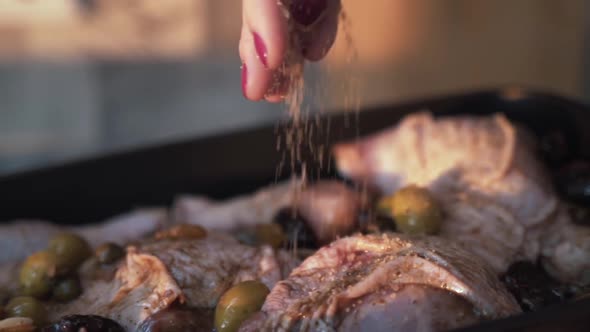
(265, 37)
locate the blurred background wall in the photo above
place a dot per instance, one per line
(84, 77)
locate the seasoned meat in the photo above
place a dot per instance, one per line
(494, 192)
(195, 273)
(330, 207)
(382, 283)
(21, 238)
(205, 269)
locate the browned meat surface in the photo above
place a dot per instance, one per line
(330, 207)
(21, 238)
(192, 272)
(482, 169)
(382, 283)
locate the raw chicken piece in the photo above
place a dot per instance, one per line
(124, 228)
(21, 238)
(157, 274)
(483, 154)
(247, 210)
(385, 283)
(206, 268)
(330, 207)
(483, 171)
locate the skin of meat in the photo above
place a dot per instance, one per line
(158, 274)
(486, 155)
(494, 192)
(207, 268)
(330, 207)
(247, 210)
(410, 308)
(336, 288)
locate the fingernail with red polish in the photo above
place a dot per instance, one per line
(260, 49)
(244, 79)
(306, 12)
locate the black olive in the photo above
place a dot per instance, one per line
(374, 222)
(554, 148)
(532, 287)
(178, 320)
(579, 215)
(573, 182)
(90, 323)
(109, 253)
(296, 229)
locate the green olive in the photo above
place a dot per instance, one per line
(183, 231)
(109, 253)
(37, 274)
(71, 250)
(239, 303)
(25, 306)
(415, 211)
(271, 234)
(67, 289)
(385, 206)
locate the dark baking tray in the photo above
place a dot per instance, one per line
(236, 163)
